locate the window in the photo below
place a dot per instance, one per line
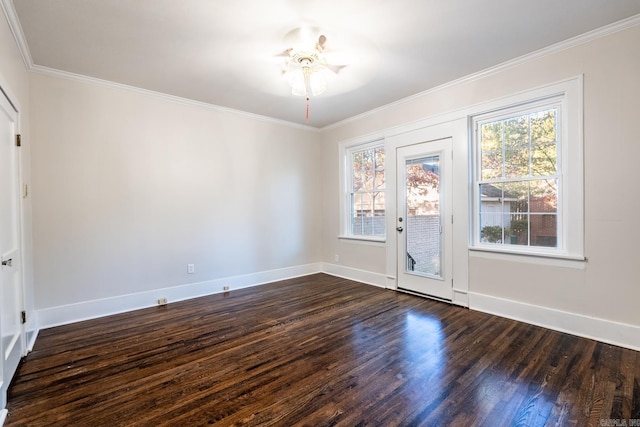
(527, 179)
(518, 178)
(365, 195)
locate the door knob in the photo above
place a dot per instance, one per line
(7, 262)
(399, 229)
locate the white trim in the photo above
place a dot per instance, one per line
(460, 297)
(71, 313)
(357, 275)
(608, 331)
(3, 416)
(528, 57)
(365, 239)
(578, 263)
(31, 338)
(18, 33)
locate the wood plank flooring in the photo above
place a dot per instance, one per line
(320, 351)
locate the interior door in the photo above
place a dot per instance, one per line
(423, 225)
(12, 341)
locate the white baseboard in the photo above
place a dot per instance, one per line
(460, 297)
(32, 334)
(3, 416)
(608, 331)
(362, 276)
(71, 313)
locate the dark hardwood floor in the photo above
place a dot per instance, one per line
(320, 351)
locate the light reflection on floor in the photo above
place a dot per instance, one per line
(424, 360)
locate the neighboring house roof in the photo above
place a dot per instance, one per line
(492, 192)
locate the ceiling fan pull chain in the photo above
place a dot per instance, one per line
(307, 116)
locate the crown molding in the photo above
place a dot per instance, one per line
(53, 72)
(532, 56)
(18, 35)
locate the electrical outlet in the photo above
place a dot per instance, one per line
(191, 268)
(336, 258)
(162, 301)
(225, 288)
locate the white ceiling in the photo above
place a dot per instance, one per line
(224, 52)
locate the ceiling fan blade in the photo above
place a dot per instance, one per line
(320, 44)
(335, 68)
(285, 53)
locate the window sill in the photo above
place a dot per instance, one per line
(559, 260)
(363, 239)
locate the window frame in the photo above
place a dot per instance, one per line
(566, 97)
(346, 180)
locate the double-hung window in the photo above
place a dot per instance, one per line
(528, 179)
(365, 191)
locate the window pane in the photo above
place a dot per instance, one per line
(491, 164)
(491, 150)
(368, 169)
(367, 197)
(379, 158)
(516, 162)
(543, 159)
(544, 195)
(543, 143)
(516, 132)
(519, 229)
(544, 230)
(423, 219)
(379, 168)
(543, 127)
(491, 213)
(544, 208)
(358, 181)
(516, 197)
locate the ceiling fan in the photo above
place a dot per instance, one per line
(306, 62)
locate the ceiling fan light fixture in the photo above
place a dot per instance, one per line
(304, 72)
(296, 80)
(317, 83)
(306, 81)
(305, 66)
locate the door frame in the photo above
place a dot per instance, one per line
(21, 344)
(439, 287)
(458, 131)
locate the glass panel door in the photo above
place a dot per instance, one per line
(424, 231)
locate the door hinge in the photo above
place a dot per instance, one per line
(23, 317)
(18, 140)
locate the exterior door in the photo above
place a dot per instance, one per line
(424, 215)
(12, 341)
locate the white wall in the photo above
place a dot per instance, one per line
(129, 188)
(604, 292)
